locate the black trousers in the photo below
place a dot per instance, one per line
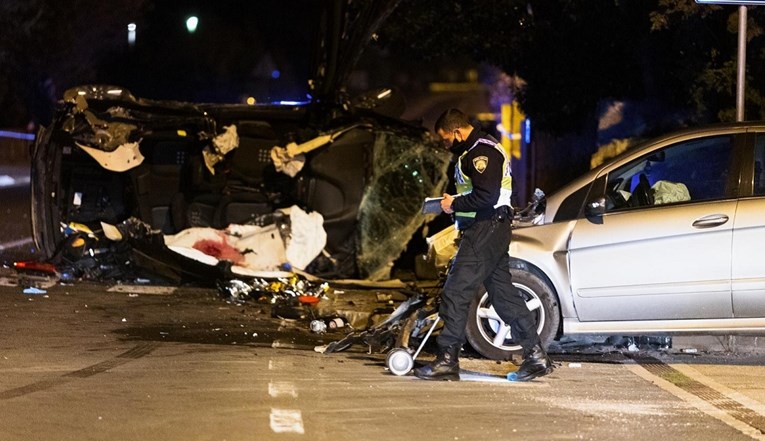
(482, 259)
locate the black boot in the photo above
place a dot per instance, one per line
(535, 364)
(445, 367)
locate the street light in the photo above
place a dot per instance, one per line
(131, 27)
(191, 24)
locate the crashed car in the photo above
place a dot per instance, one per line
(138, 172)
(662, 240)
(161, 167)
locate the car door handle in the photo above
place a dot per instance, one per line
(712, 220)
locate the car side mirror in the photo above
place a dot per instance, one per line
(594, 210)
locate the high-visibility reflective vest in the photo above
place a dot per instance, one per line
(465, 185)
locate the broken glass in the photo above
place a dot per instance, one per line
(405, 171)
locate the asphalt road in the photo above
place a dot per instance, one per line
(94, 362)
(100, 362)
(15, 225)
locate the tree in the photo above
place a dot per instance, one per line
(700, 43)
(573, 54)
(675, 57)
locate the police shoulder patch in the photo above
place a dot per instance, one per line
(480, 163)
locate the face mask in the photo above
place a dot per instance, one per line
(458, 147)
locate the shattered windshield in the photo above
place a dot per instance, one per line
(405, 172)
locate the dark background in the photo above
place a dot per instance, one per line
(665, 63)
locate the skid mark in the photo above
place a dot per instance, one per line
(133, 354)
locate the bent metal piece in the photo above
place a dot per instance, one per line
(124, 158)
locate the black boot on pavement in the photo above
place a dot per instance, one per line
(535, 364)
(445, 367)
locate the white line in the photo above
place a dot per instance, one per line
(9, 181)
(282, 388)
(15, 243)
(286, 420)
(738, 397)
(696, 402)
(278, 344)
(143, 289)
(7, 281)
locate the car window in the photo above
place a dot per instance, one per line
(759, 161)
(571, 207)
(694, 170)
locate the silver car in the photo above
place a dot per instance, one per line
(664, 239)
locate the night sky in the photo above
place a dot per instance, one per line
(240, 48)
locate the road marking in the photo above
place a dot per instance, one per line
(7, 281)
(143, 289)
(690, 371)
(276, 344)
(8, 181)
(692, 387)
(282, 388)
(15, 243)
(286, 420)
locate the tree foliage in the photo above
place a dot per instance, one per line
(574, 54)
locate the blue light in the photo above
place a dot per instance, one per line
(275, 74)
(17, 135)
(527, 131)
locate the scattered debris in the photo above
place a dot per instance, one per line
(34, 277)
(384, 335)
(291, 288)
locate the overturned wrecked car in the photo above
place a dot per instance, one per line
(150, 172)
(331, 185)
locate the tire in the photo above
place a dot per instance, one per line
(483, 323)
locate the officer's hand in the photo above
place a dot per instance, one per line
(446, 203)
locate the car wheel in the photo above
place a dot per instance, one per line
(492, 338)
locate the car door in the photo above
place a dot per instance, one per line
(662, 250)
(748, 275)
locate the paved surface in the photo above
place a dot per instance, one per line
(93, 362)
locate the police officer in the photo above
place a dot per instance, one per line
(483, 217)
